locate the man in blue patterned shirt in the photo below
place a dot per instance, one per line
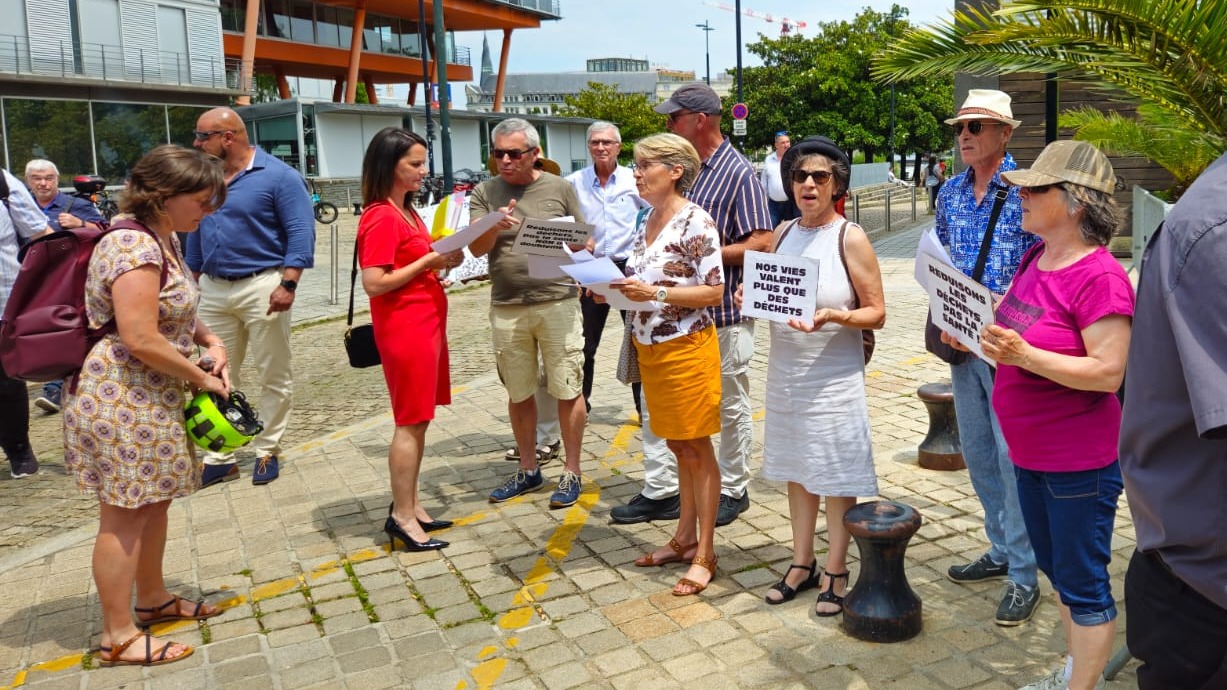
(982, 128)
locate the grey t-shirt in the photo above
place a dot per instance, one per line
(548, 196)
(1173, 444)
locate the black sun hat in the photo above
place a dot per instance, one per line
(809, 145)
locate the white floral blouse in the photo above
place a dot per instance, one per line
(685, 254)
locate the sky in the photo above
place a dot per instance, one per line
(662, 32)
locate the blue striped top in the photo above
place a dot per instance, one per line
(730, 193)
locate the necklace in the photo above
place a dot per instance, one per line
(820, 226)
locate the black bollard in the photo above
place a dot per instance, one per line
(940, 450)
(882, 607)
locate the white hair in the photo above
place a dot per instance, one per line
(513, 125)
(41, 164)
(601, 126)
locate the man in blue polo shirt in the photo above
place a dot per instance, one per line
(63, 213)
(249, 256)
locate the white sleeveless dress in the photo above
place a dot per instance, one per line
(817, 422)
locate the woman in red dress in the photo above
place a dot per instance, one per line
(409, 313)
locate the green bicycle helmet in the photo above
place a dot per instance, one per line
(218, 424)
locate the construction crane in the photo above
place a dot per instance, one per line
(786, 24)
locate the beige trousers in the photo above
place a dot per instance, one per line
(237, 312)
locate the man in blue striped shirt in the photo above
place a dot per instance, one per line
(982, 129)
(730, 192)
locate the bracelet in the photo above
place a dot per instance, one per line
(221, 345)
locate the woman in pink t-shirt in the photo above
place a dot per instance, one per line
(1060, 343)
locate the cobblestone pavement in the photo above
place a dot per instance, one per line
(525, 597)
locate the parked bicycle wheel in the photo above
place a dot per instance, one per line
(325, 213)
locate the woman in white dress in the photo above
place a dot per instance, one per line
(817, 425)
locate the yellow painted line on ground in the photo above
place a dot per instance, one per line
(523, 611)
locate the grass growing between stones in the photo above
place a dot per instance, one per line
(363, 596)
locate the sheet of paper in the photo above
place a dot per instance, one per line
(929, 244)
(602, 270)
(546, 237)
(579, 256)
(778, 287)
(465, 237)
(546, 267)
(619, 301)
(958, 304)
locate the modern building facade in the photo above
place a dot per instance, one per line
(93, 84)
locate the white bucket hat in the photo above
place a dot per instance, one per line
(986, 104)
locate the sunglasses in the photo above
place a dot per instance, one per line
(677, 115)
(975, 127)
(1043, 188)
(513, 154)
(204, 136)
(820, 176)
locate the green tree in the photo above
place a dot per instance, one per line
(1168, 56)
(631, 112)
(822, 85)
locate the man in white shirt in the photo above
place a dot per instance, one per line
(778, 203)
(611, 203)
(20, 217)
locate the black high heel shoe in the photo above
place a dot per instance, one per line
(426, 526)
(395, 532)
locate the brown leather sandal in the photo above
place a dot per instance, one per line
(696, 586)
(111, 657)
(679, 555)
(196, 615)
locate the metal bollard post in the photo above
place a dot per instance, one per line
(888, 210)
(913, 203)
(335, 282)
(349, 200)
(856, 209)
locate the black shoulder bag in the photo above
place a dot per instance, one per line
(933, 334)
(359, 340)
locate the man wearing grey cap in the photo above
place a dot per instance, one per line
(728, 190)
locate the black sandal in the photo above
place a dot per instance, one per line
(787, 592)
(828, 595)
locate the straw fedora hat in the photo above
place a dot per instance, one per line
(986, 104)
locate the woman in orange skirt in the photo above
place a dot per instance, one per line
(676, 272)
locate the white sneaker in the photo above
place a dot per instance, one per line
(1056, 681)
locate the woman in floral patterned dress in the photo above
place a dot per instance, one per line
(123, 415)
(675, 268)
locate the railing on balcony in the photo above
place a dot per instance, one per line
(545, 7)
(68, 60)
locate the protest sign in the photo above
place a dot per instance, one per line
(778, 287)
(959, 305)
(546, 237)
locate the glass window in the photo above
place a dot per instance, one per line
(276, 19)
(326, 26)
(279, 136)
(182, 119)
(345, 26)
(233, 15)
(123, 132)
(55, 130)
(100, 54)
(302, 21)
(410, 41)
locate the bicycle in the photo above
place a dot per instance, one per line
(325, 212)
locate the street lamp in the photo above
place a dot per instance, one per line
(707, 29)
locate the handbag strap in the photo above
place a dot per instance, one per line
(353, 278)
(987, 242)
(843, 259)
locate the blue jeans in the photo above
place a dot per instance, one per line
(53, 387)
(992, 473)
(1069, 518)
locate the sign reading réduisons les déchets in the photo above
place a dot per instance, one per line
(958, 304)
(546, 237)
(778, 287)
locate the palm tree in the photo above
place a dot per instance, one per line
(1168, 55)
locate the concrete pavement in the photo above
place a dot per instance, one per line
(525, 597)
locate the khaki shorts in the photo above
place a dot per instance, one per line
(555, 329)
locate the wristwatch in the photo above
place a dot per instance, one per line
(662, 294)
(290, 285)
